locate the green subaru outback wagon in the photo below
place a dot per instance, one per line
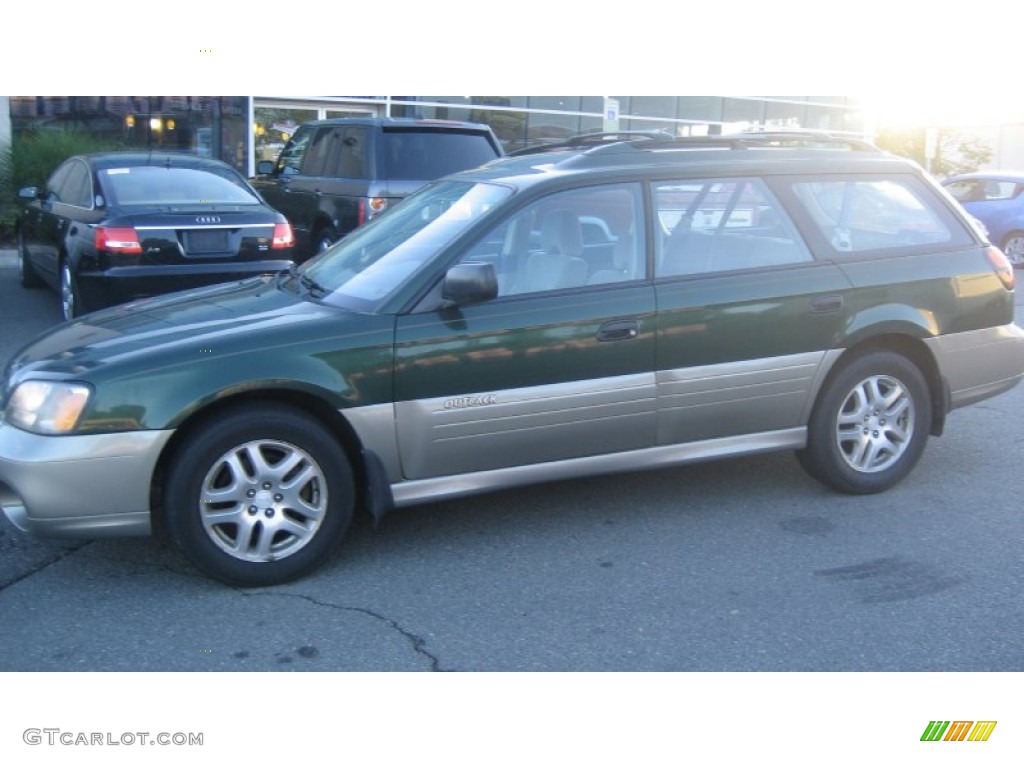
(607, 307)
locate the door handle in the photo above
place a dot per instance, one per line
(824, 305)
(618, 330)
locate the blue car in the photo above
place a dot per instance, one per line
(994, 199)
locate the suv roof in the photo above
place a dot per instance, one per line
(403, 122)
(785, 152)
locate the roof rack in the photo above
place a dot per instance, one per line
(585, 140)
(754, 139)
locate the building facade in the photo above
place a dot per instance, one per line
(245, 129)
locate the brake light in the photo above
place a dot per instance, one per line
(118, 240)
(1002, 266)
(283, 236)
(370, 207)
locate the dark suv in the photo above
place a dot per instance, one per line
(333, 175)
(628, 306)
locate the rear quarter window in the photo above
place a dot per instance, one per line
(863, 215)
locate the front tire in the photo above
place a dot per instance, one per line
(324, 239)
(870, 424)
(26, 272)
(259, 495)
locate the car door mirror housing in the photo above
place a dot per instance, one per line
(469, 283)
(264, 168)
(29, 193)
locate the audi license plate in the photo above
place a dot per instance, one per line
(205, 241)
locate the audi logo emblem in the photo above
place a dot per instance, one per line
(207, 219)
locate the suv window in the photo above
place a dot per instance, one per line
(351, 161)
(290, 160)
(715, 225)
(315, 161)
(586, 236)
(416, 154)
(866, 215)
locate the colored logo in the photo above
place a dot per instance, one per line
(959, 730)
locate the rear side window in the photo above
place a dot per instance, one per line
(721, 225)
(856, 215)
(318, 153)
(421, 155)
(352, 157)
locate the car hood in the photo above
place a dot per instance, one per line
(152, 332)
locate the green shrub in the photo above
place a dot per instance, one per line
(30, 159)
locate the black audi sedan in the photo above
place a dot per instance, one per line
(112, 227)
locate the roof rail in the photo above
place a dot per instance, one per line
(585, 140)
(750, 140)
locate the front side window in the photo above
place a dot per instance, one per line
(370, 265)
(290, 160)
(856, 215)
(722, 225)
(588, 236)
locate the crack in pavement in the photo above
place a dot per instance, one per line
(418, 643)
(65, 552)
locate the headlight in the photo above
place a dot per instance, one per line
(47, 407)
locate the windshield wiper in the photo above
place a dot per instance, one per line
(312, 286)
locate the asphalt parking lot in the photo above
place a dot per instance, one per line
(738, 565)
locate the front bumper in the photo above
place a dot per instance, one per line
(79, 485)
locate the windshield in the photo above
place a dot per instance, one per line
(371, 264)
(159, 185)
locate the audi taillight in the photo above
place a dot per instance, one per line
(283, 236)
(1002, 266)
(118, 240)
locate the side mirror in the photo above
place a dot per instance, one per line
(29, 193)
(469, 283)
(264, 168)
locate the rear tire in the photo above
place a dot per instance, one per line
(1013, 247)
(71, 304)
(259, 495)
(870, 424)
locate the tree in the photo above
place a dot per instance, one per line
(956, 152)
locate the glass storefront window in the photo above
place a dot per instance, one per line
(211, 126)
(703, 108)
(654, 106)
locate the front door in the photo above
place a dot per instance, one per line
(559, 366)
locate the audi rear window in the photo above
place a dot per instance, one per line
(156, 185)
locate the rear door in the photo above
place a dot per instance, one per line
(747, 317)
(559, 366)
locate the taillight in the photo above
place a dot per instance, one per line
(283, 236)
(118, 240)
(1002, 266)
(370, 207)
